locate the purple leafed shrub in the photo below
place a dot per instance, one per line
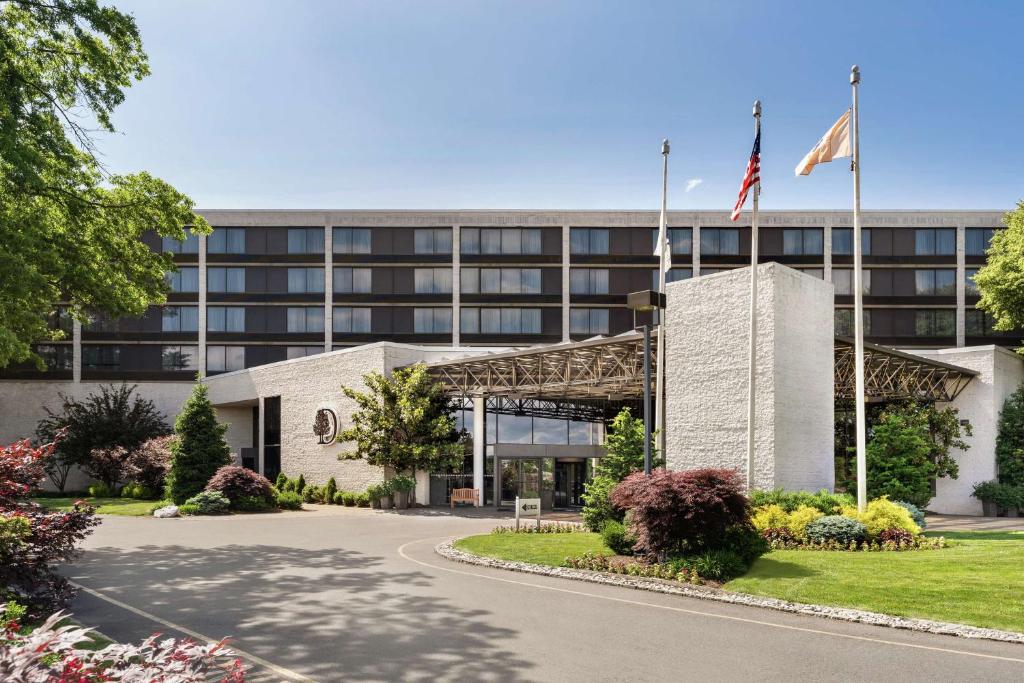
(238, 482)
(682, 512)
(147, 465)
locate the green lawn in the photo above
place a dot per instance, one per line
(130, 507)
(978, 580)
(549, 549)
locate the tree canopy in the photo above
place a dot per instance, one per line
(69, 229)
(403, 421)
(1001, 280)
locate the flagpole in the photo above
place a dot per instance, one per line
(751, 378)
(858, 305)
(659, 380)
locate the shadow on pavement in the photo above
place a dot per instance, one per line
(331, 614)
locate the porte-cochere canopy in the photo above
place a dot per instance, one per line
(610, 370)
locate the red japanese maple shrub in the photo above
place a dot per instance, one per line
(237, 483)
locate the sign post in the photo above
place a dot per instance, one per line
(525, 507)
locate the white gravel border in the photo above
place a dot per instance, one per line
(448, 551)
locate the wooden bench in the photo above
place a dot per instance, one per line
(465, 496)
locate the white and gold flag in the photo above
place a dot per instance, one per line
(833, 145)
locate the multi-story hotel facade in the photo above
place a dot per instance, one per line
(272, 285)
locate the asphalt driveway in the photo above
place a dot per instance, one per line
(352, 594)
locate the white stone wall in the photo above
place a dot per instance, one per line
(980, 402)
(706, 376)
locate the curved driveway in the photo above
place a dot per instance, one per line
(359, 595)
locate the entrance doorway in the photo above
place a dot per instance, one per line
(519, 477)
(570, 476)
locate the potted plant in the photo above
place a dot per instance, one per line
(987, 492)
(402, 485)
(1008, 500)
(384, 495)
(373, 493)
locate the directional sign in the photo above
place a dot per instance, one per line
(527, 507)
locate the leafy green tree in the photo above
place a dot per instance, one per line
(625, 454)
(116, 417)
(199, 449)
(1001, 280)
(1010, 440)
(69, 230)
(403, 421)
(910, 448)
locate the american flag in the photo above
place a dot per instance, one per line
(751, 177)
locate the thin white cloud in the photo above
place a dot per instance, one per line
(693, 183)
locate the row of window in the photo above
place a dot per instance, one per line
(927, 323)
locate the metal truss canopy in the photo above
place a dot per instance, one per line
(890, 375)
(589, 378)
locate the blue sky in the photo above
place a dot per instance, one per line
(530, 104)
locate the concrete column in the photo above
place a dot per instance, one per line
(479, 443)
(456, 284)
(827, 248)
(961, 283)
(566, 247)
(262, 436)
(695, 246)
(76, 351)
(202, 307)
(328, 285)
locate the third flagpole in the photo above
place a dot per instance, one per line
(858, 305)
(751, 380)
(659, 378)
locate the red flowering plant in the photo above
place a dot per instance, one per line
(33, 539)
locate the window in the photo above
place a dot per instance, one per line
(588, 321)
(352, 280)
(226, 241)
(714, 271)
(61, 320)
(433, 240)
(101, 323)
(96, 357)
(225, 358)
(189, 246)
(351, 241)
(934, 241)
(500, 281)
(225, 279)
(180, 319)
(178, 358)
(184, 279)
(305, 280)
(814, 272)
(588, 281)
(680, 240)
(719, 241)
(303, 351)
(350, 320)
(585, 241)
(305, 240)
(935, 323)
(982, 324)
(842, 241)
(500, 240)
(977, 240)
(802, 241)
(935, 282)
(970, 288)
(225, 318)
(844, 322)
(307, 319)
(432, 320)
(433, 280)
(673, 275)
(56, 356)
(842, 279)
(500, 321)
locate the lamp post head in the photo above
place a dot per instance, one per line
(664, 146)
(757, 109)
(855, 75)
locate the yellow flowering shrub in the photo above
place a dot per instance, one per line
(882, 514)
(798, 520)
(769, 517)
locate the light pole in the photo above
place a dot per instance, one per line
(646, 301)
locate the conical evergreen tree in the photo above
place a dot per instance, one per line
(200, 449)
(1010, 440)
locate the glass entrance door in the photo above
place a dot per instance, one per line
(569, 478)
(519, 477)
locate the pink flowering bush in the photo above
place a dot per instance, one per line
(33, 539)
(50, 654)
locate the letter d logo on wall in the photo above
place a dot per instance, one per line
(325, 426)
